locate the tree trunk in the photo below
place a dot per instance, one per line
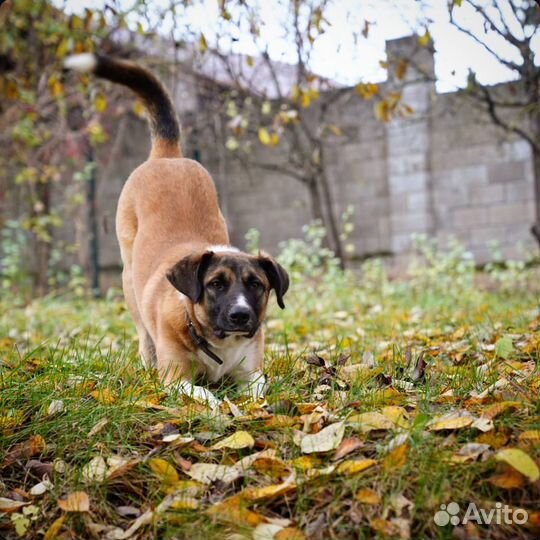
(535, 229)
(332, 228)
(43, 247)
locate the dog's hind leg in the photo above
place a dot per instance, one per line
(147, 350)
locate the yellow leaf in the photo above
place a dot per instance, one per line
(398, 415)
(236, 441)
(367, 90)
(233, 510)
(305, 100)
(75, 502)
(264, 136)
(203, 44)
(370, 421)
(336, 130)
(452, 420)
(424, 40)
(103, 396)
(290, 533)
(382, 111)
(272, 467)
(63, 48)
(367, 496)
(520, 461)
(325, 440)
(354, 466)
(100, 103)
(185, 503)
(397, 458)
(164, 470)
(530, 437)
(306, 463)
(274, 139)
(249, 60)
(267, 492)
(54, 529)
(401, 68)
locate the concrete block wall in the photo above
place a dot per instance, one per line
(445, 171)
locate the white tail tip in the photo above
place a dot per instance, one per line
(83, 63)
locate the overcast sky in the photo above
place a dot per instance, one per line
(340, 56)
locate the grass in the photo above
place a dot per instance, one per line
(370, 335)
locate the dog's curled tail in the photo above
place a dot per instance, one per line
(164, 125)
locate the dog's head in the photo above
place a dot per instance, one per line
(229, 289)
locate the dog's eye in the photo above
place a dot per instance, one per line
(217, 284)
(255, 284)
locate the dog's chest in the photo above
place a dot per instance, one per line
(236, 354)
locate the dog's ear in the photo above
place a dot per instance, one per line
(187, 274)
(277, 276)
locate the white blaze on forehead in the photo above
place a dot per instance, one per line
(241, 301)
(223, 249)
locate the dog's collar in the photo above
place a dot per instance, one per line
(202, 343)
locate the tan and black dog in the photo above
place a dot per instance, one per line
(197, 302)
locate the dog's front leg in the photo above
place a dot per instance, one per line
(252, 383)
(175, 372)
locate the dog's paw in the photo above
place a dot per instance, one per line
(255, 388)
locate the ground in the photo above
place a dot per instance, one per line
(392, 408)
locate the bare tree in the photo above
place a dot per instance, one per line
(515, 108)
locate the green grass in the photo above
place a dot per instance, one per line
(83, 352)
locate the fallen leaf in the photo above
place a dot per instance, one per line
(397, 415)
(27, 449)
(54, 529)
(272, 467)
(290, 533)
(348, 445)
(470, 452)
(498, 408)
(9, 505)
(504, 347)
(530, 437)
(396, 459)
(233, 510)
(104, 396)
(41, 488)
(509, 479)
(452, 420)
(77, 501)
(236, 441)
(520, 461)
(370, 421)
(483, 424)
(368, 496)
(354, 466)
(95, 470)
(267, 492)
(210, 472)
(98, 427)
(163, 470)
(325, 440)
(56, 407)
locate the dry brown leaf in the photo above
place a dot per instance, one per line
(210, 472)
(470, 452)
(233, 510)
(325, 440)
(397, 458)
(509, 479)
(531, 437)
(498, 408)
(368, 496)
(27, 449)
(290, 533)
(348, 445)
(272, 467)
(77, 501)
(9, 505)
(370, 421)
(104, 396)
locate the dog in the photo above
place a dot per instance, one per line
(197, 302)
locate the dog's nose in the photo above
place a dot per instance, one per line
(240, 316)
